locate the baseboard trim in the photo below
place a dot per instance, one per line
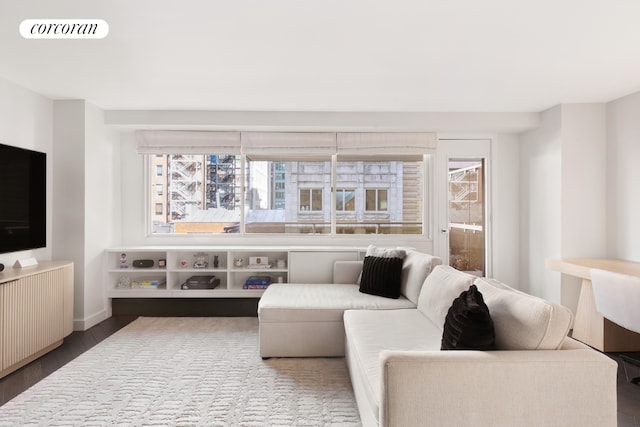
(88, 322)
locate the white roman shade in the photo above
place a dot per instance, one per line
(187, 142)
(288, 145)
(389, 145)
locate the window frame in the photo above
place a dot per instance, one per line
(311, 200)
(425, 222)
(377, 200)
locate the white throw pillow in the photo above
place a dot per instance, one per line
(415, 268)
(373, 250)
(440, 288)
(522, 321)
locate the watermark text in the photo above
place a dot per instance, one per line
(64, 29)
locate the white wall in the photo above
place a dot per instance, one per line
(562, 197)
(623, 178)
(583, 208)
(102, 209)
(505, 182)
(87, 202)
(69, 231)
(540, 197)
(26, 120)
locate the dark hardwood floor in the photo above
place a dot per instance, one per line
(80, 341)
(74, 345)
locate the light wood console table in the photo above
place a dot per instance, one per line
(590, 326)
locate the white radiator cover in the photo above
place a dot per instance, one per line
(36, 313)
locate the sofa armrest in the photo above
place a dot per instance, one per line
(498, 388)
(346, 272)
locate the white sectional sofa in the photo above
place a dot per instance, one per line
(401, 377)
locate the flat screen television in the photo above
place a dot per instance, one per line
(23, 199)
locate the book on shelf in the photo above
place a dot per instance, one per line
(200, 282)
(255, 286)
(147, 284)
(253, 281)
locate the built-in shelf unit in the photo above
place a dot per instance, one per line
(174, 265)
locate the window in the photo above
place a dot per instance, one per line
(298, 183)
(376, 200)
(203, 194)
(345, 200)
(388, 196)
(310, 199)
(287, 196)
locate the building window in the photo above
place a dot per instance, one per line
(159, 189)
(376, 200)
(159, 209)
(310, 199)
(345, 200)
(158, 170)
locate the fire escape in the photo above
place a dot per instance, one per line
(222, 185)
(185, 184)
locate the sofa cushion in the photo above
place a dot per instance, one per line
(440, 288)
(522, 321)
(286, 302)
(415, 268)
(468, 324)
(369, 332)
(381, 276)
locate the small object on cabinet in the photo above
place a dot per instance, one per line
(238, 262)
(259, 262)
(202, 260)
(201, 282)
(124, 282)
(216, 262)
(123, 261)
(162, 263)
(143, 263)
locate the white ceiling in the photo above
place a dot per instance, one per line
(331, 55)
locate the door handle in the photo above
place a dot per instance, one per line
(444, 230)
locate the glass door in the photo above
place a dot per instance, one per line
(463, 225)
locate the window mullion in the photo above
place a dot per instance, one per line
(333, 195)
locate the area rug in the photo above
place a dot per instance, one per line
(187, 372)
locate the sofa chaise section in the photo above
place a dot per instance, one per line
(402, 378)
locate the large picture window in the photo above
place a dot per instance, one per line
(285, 184)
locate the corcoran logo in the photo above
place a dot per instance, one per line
(64, 29)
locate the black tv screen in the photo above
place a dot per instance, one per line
(23, 199)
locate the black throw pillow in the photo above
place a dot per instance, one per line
(468, 325)
(381, 276)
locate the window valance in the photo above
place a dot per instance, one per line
(298, 145)
(289, 145)
(389, 145)
(187, 142)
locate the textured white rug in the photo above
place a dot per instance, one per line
(187, 372)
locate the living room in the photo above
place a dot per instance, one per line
(558, 106)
